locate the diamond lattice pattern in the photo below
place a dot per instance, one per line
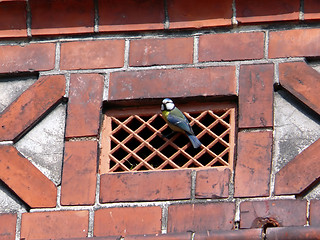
(144, 142)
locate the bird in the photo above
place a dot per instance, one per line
(177, 121)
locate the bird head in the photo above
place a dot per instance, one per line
(167, 104)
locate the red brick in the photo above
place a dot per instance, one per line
(201, 217)
(127, 221)
(30, 57)
(311, 10)
(214, 81)
(84, 106)
(249, 234)
(256, 96)
(52, 225)
(231, 46)
(249, 11)
(19, 174)
(305, 233)
(170, 236)
(145, 186)
(299, 173)
(284, 213)
(294, 43)
(130, 15)
(78, 185)
(302, 81)
(161, 51)
(31, 105)
(92, 54)
(13, 18)
(206, 13)
(213, 183)
(61, 17)
(8, 226)
(253, 164)
(314, 212)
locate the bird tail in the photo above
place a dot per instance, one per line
(194, 140)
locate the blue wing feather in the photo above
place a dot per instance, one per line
(180, 122)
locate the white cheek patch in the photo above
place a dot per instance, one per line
(170, 106)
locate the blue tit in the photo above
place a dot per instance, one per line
(177, 121)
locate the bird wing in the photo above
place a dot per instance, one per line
(180, 123)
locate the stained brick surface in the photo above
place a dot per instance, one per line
(253, 234)
(258, 11)
(302, 81)
(235, 46)
(256, 96)
(311, 10)
(79, 173)
(127, 221)
(300, 172)
(172, 83)
(284, 213)
(161, 51)
(294, 43)
(84, 106)
(130, 15)
(314, 212)
(213, 183)
(30, 57)
(92, 54)
(13, 17)
(31, 105)
(201, 217)
(25, 179)
(293, 233)
(252, 174)
(61, 17)
(186, 14)
(8, 226)
(145, 186)
(54, 225)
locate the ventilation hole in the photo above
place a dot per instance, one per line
(217, 148)
(218, 129)
(180, 160)
(131, 163)
(181, 140)
(120, 153)
(144, 152)
(157, 142)
(121, 134)
(134, 124)
(225, 157)
(169, 151)
(226, 138)
(156, 161)
(158, 122)
(227, 119)
(133, 143)
(146, 133)
(206, 139)
(207, 120)
(205, 159)
(168, 166)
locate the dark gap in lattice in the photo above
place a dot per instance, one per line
(180, 160)
(157, 142)
(218, 148)
(226, 138)
(206, 139)
(146, 133)
(134, 124)
(205, 159)
(131, 162)
(219, 129)
(156, 161)
(120, 153)
(121, 134)
(158, 122)
(133, 143)
(144, 152)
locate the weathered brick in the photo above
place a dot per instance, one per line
(243, 234)
(258, 11)
(161, 51)
(31, 105)
(213, 183)
(54, 225)
(294, 43)
(302, 81)
(30, 57)
(213, 81)
(145, 186)
(284, 213)
(299, 173)
(206, 13)
(127, 221)
(253, 164)
(314, 212)
(8, 226)
(84, 105)
(78, 185)
(201, 217)
(130, 15)
(256, 96)
(311, 10)
(92, 54)
(61, 17)
(169, 236)
(19, 174)
(302, 232)
(231, 46)
(13, 18)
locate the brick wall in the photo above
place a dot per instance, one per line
(65, 62)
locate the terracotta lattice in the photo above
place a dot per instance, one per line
(140, 140)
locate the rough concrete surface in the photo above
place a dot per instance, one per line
(296, 128)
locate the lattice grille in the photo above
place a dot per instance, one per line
(138, 142)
